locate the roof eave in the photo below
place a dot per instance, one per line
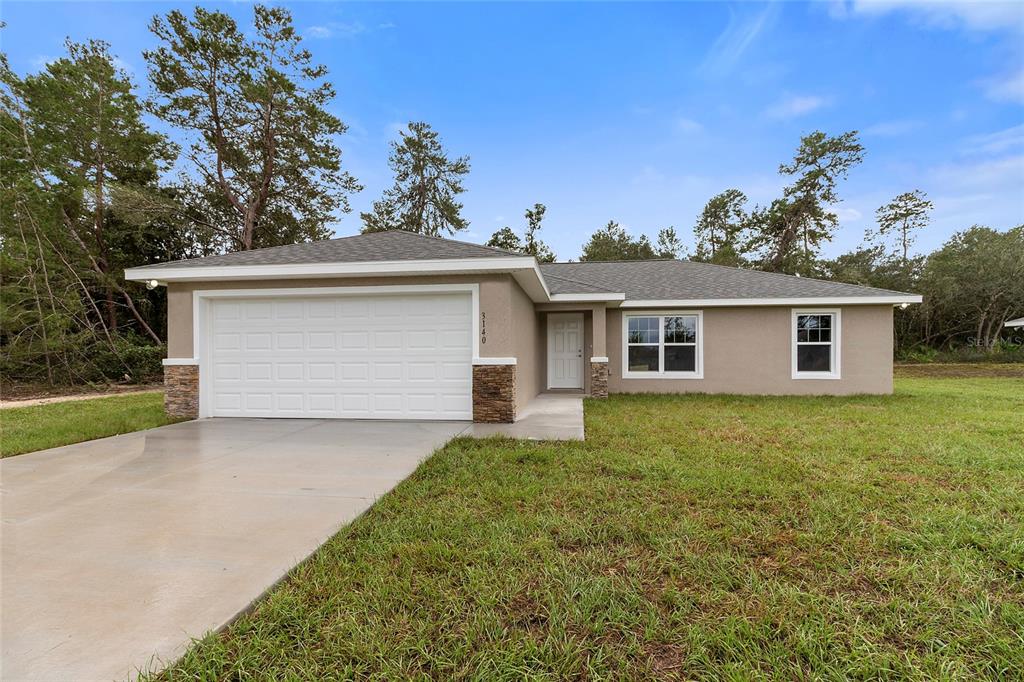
(588, 298)
(524, 269)
(894, 299)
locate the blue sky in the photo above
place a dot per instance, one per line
(641, 112)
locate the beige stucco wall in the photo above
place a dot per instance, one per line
(495, 305)
(524, 333)
(748, 350)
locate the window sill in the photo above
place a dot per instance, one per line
(799, 376)
(662, 375)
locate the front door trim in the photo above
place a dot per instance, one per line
(552, 357)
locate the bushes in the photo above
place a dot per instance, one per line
(82, 357)
(1003, 351)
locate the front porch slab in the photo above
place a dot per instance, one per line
(549, 416)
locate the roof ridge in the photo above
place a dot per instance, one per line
(454, 241)
(619, 260)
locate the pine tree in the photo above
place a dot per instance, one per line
(719, 227)
(264, 164)
(427, 182)
(902, 217)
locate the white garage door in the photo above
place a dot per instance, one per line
(366, 357)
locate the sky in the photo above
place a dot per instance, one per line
(640, 113)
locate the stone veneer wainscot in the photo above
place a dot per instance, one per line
(599, 379)
(181, 391)
(494, 394)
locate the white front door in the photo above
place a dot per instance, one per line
(565, 350)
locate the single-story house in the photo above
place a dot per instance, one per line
(395, 325)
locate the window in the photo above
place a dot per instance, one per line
(816, 344)
(662, 346)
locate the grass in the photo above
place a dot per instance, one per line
(26, 429)
(690, 537)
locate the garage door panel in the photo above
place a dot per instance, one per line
(386, 357)
(257, 310)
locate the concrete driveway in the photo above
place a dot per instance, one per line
(117, 551)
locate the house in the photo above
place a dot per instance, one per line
(395, 325)
(1015, 324)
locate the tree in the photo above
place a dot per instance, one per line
(903, 216)
(264, 166)
(789, 232)
(669, 246)
(507, 239)
(820, 162)
(73, 151)
(719, 227)
(422, 200)
(613, 243)
(973, 285)
(83, 131)
(533, 245)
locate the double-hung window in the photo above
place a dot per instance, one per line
(815, 344)
(662, 345)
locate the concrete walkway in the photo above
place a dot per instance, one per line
(549, 416)
(117, 551)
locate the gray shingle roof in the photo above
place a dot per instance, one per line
(376, 246)
(638, 280)
(684, 280)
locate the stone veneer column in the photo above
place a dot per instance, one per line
(494, 393)
(181, 390)
(599, 377)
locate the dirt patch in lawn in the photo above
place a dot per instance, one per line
(24, 396)
(961, 370)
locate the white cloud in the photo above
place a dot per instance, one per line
(981, 15)
(796, 105)
(39, 63)
(997, 142)
(848, 214)
(1006, 174)
(1005, 88)
(688, 126)
(892, 128)
(340, 28)
(735, 39)
(318, 32)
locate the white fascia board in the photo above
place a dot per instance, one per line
(585, 298)
(1019, 322)
(734, 302)
(312, 270)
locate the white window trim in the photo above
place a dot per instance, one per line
(662, 374)
(202, 322)
(837, 336)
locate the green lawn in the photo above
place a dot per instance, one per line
(689, 537)
(25, 429)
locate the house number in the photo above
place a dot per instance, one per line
(483, 327)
